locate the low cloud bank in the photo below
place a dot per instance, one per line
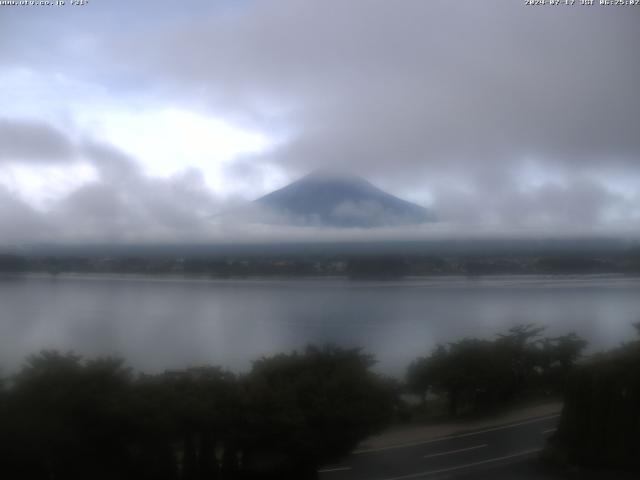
(119, 203)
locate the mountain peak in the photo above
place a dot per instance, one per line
(329, 198)
(328, 177)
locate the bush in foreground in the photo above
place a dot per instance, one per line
(480, 375)
(63, 417)
(600, 423)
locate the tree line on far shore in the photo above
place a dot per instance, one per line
(352, 265)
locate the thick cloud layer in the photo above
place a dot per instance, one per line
(500, 117)
(420, 83)
(32, 141)
(119, 204)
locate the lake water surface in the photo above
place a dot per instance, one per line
(165, 323)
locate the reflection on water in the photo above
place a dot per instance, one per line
(158, 323)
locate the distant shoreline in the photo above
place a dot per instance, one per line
(530, 278)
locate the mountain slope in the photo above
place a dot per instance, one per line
(340, 201)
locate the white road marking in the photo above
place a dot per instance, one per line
(460, 467)
(450, 452)
(452, 437)
(551, 430)
(336, 469)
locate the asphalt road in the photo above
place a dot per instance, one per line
(507, 451)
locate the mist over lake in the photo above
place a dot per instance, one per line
(159, 323)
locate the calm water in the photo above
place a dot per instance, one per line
(158, 323)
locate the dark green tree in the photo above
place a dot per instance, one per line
(478, 375)
(311, 407)
(69, 418)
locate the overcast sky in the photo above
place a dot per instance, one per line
(135, 121)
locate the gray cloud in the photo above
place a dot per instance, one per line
(419, 84)
(122, 204)
(29, 141)
(21, 223)
(126, 205)
(550, 207)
